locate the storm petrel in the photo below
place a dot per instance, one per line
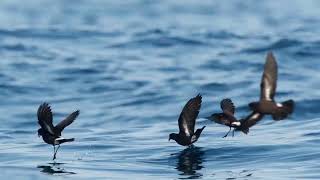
(267, 104)
(227, 116)
(187, 120)
(52, 134)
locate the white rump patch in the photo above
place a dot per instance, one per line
(193, 139)
(60, 138)
(279, 105)
(236, 123)
(57, 141)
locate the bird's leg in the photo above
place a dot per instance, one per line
(233, 132)
(54, 157)
(54, 152)
(227, 133)
(57, 148)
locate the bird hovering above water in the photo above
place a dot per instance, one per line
(267, 104)
(187, 120)
(227, 118)
(52, 134)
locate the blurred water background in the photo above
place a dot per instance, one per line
(130, 66)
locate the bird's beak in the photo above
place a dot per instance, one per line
(169, 139)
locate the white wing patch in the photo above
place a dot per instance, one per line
(185, 126)
(279, 105)
(269, 89)
(255, 115)
(49, 128)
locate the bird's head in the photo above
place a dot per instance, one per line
(173, 136)
(40, 131)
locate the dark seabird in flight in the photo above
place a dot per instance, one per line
(267, 104)
(187, 120)
(52, 134)
(227, 118)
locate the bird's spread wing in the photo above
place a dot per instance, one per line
(219, 118)
(67, 121)
(188, 116)
(227, 106)
(251, 120)
(269, 78)
(45, 118)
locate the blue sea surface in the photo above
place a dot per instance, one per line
(130, 67)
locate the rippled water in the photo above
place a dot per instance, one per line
(131, 66)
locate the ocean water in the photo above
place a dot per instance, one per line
(130, 67)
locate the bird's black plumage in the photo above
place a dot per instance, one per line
(227, 117)
(52, 134)
(187, 120)
(268, 86)
(227, 106)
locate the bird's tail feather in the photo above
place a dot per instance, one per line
(199, 131)
(282, 112)
(289, 106)
(245, 130)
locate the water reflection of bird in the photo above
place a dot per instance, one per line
(190, 162)
(54, 168)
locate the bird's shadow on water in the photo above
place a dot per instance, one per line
(189, 162)
(54, 168)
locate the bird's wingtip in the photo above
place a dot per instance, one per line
(270, 56)
(270, 53)
(44, 104)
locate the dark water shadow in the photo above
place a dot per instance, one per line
(54, 168)
(189, 162)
